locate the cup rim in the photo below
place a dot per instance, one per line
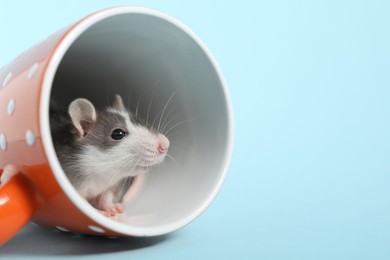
(55, 59)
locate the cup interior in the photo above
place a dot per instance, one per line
(154, 63)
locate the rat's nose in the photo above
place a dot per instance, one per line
(161, 148)
(163, 144)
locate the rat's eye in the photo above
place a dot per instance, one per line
(118, 134)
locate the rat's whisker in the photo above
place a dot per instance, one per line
(167, 123)
(157, 116)
(165, 119)
(107, 100)
(173, 159)
(165, 107)
(169, 136)
(149, 106)
(178, 124)
(137, 106)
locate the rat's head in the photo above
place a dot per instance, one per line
(115, 137)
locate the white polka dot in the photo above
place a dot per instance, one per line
(62, 229)
(96, 229)
(7, 79)
(3, 142)
(32, 71)
(30, 137)
(11, 107)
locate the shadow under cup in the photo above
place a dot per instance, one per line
(164, 72)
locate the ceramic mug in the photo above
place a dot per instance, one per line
(147, 57)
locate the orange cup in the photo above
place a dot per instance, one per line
(145, 56)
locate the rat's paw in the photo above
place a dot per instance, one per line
(105, 213)
(111, 210)
(119, 208)
(107, 206)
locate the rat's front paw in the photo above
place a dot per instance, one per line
(107, 205)
(111, 210)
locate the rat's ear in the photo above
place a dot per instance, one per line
(83, 115)
(118, 103)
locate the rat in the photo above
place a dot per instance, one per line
(101, 151)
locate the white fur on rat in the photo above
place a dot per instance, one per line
(98, 150)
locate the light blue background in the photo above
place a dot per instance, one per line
(310, 176)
